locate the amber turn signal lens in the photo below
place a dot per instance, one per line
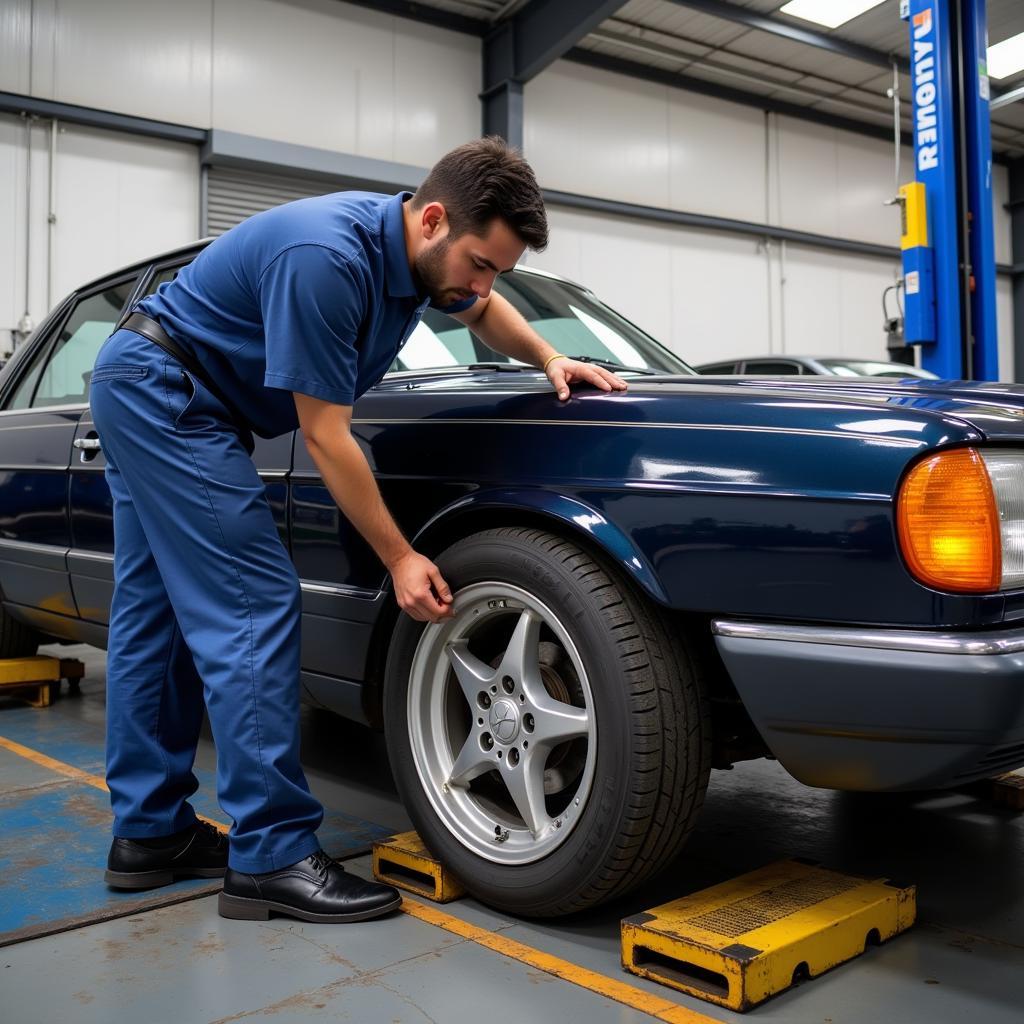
(948, 523)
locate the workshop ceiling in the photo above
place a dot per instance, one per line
(682, 38)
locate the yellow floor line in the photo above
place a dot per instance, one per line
(71, 772)
(656, 1006)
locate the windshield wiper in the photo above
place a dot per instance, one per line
(609, 364)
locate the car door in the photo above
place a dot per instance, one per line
(40, 412)
(91, 554)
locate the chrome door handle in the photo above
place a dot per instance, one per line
(87, 444)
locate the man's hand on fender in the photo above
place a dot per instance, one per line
(563, 371)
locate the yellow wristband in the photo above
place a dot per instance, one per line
(557, 355)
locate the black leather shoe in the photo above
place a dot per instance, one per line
(201, 852)
(316, 889)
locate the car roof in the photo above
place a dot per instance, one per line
(201, 243)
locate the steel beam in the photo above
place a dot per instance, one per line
(752, 229)
(502, 111)
(232, 149)
(794, 32)
(522, 46)
(70, 113)
(688, 83)
(427, 15)
(1006, 98)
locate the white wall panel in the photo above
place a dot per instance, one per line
(15, 36)
(717, 153)
(143, 57)
(835, 183)
(12, 227)
(15, 257)
(599, 134)
(117, 198)
(437, 81)
(325, 74)
(721, 302)
(832, 303)
(120, 198)
(676, 285)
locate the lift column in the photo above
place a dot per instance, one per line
(951, 297)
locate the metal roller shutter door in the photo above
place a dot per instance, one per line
(233, 195)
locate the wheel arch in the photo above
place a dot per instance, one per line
(486, 510)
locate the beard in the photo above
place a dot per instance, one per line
(428, 272)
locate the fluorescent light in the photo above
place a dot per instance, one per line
(1006, 58)
(830, 13)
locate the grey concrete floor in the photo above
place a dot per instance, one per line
(964, 960)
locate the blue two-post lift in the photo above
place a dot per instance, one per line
(949, 265)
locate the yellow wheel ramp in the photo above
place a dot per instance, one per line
(403, 861)
(738, 943)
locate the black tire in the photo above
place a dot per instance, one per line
(16, 639)
(653, 754)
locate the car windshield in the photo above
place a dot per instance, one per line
(564, 315)
(867, 368)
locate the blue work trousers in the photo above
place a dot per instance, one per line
(207, 606)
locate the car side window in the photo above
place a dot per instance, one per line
(60, 374)
(766, 366)
(162, 276)
(716, 369)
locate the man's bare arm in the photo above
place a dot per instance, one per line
(326, 428)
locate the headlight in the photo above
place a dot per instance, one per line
(1006, 471)
(960, 520)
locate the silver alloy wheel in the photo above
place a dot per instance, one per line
(469, 717)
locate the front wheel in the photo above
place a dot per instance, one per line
(550, 742)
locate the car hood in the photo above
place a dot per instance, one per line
(931, 410)
(994, 409)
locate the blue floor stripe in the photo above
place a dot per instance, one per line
(55, 832)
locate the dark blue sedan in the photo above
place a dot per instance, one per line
(649, 584)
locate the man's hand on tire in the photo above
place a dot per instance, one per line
(420, 588)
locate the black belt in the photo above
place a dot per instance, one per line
(152, 331)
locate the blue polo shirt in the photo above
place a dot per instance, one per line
(315, 296)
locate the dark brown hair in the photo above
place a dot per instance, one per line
(482, 180)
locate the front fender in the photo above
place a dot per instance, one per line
(568, 515)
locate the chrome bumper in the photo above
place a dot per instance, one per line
(878, 709)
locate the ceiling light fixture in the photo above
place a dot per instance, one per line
(1006, 58)
(830, 13)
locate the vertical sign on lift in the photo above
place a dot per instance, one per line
(985, 349)
(935, 165)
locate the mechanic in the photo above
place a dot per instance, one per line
(280, 323)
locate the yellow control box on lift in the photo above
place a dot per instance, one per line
(914, 215)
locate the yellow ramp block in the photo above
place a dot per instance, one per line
(404, 861)
(738, 943)
(38, 674)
